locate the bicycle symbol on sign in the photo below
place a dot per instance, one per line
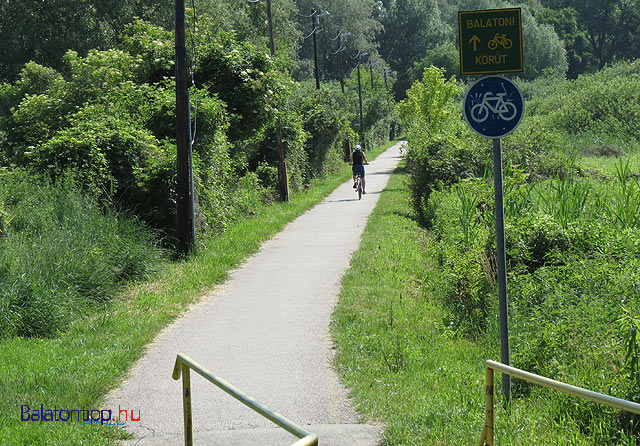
(493, 106)
(501, 106)
(500, 39)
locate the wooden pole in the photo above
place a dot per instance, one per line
(361, 117)
(371, 72)
(488, 425)
(341, 63)
(315, 22)
(283, 181)
(272, 47)
(184, 198)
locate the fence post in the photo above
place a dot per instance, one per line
(186, 405)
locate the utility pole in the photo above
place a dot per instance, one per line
(371, 72)
(283, 182)
(315, 22)
(272, 47)
(185, 227)
(341, 49)
(392, 131)
(361, 119)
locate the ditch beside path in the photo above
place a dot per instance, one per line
(265, 331)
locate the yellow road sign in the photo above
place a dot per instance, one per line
(490, 41)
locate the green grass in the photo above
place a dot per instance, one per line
(606, 167)
(79, 366)
(62, 255)
(599, 154)
(404, 364)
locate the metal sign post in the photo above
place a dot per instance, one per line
(493, 107)
(501, 260)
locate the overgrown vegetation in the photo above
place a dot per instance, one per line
(571, 234)
(87, 156)
(62, 256)
(109, 118)
(87, 359)
(101, 129)
(406, 365)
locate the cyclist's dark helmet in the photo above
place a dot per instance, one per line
(358, 147)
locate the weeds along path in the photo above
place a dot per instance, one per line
(266, 331)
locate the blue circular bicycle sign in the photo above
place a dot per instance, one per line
(493, 106)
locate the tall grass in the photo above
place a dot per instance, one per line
(409, 367)
(572, 250)
(90, 358)
(61, 255)
(572, 238)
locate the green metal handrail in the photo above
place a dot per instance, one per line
(487, 432)
(184, 364)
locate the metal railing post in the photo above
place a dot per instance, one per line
(186, 405)
(486, 438)
(182, 367)
(488, 424)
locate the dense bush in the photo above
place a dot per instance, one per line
(326, 118)
(442, 150)
(572, 242)
(256, 89)
(61, 255)
(601, 103)
(102, 119)
(35, 32)
(378, 106)
(572, 257)
(109, 116)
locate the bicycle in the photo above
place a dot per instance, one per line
(359, 186)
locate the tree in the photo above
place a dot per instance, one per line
(544, 52)
(444, 56)
(411, 27)
(249, 22)
(597, 32)
(565, 22)
(43, 31)
(358, 17)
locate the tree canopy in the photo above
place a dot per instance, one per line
(595, 32)
(565, 37)
(43, 31)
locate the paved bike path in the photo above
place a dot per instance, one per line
(265, 331)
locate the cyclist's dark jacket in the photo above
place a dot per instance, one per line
(358, 158)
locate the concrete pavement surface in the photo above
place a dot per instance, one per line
(265, 331)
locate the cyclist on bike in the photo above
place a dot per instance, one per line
(358, 160)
